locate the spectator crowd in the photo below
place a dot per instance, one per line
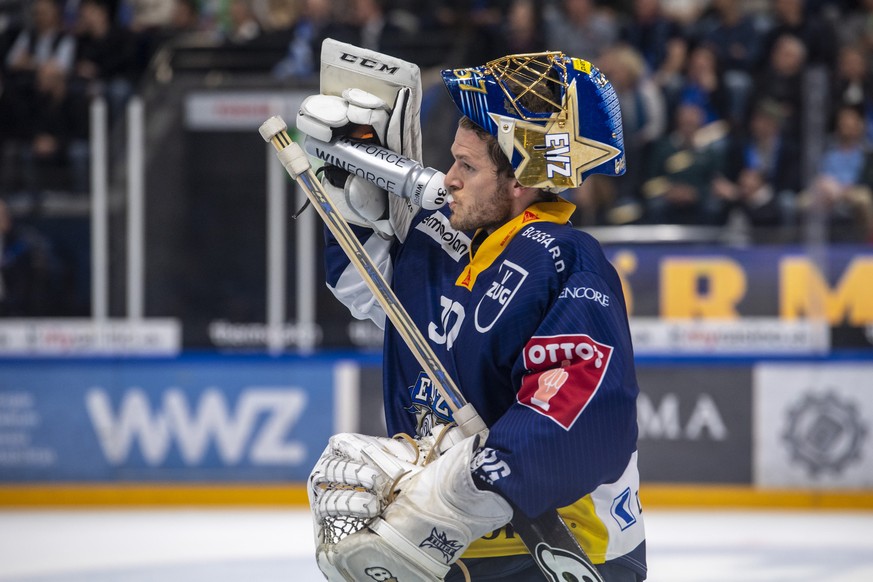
(756, 113)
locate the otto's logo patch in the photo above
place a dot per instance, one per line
(565, 373)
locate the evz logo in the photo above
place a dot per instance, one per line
(428, 405)
(557, 154)
(500, 292)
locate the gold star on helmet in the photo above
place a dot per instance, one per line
(554, 155)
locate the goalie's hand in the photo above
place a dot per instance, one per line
(363, 116)
(438, 513)
(357, 475)
(327, 116)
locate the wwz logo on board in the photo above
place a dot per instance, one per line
(565, 373)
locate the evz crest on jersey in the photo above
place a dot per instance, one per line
(428, 405)
(565, 373)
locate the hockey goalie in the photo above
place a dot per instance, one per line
(523, 310)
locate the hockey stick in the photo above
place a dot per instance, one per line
(547, 538)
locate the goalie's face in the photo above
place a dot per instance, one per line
(480, 197)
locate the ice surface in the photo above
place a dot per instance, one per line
(272, 545)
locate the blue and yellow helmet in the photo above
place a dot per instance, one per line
(556, 118)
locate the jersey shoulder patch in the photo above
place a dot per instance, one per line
(564, 373)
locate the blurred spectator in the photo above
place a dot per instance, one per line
(146, 16)
(185, 19)
(644, 120)
(476, 27)
(781, 82)
(853, 85)
(682, 167)
(42, 43)
(105, 63)
(655, 36)
(736, 41)
(11, 21)
(841, 192)
(702, 85)
(56, 158)
(24, 269)
(750, 202)
(790, 17)
(524, 27)
(281, 15)
(146, 20)
(315, 24)
(684, 12)
(761, 145)
(579, 28)
(596, 204)
(732, 35)
(375, 30)
(244, 28)
(14, 113)
(856, 26)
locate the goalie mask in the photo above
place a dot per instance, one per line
(556, 118)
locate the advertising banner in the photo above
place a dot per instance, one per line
(814, 425)
(175, 420)
(695, 424)
(777, 299)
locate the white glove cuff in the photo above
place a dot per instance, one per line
(461, 493)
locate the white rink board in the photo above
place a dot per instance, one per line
(813, 425)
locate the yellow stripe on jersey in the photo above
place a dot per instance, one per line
(580, 517)
(558, 212)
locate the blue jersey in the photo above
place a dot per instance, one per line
(530, 322)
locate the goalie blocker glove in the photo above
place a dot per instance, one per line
(436, 516)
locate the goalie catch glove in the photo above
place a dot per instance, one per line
(438, 513)
(356, 476)
(364, 116)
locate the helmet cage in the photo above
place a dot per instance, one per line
(525, 77)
